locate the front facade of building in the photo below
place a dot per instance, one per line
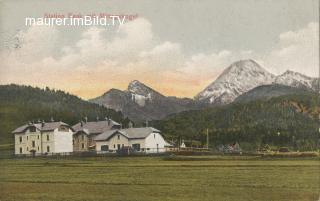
(146, 139)
(85, 132)
(42, 138)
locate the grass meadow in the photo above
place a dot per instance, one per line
(196, 178)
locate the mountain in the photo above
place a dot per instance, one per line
(298, 80)
(140, 102)
(244, 75)
(282, 120)
(237, 79)
(21, 104)
(266, 92)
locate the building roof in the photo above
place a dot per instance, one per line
(83, 130)
(130, 133)
(96, 127)
(107, 134)
(139, 132)
(45, 126)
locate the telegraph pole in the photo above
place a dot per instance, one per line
(207, 138)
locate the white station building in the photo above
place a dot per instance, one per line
(147, 139)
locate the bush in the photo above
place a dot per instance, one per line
(284, 149)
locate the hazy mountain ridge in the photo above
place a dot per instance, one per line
(140, 102)
(266, 92)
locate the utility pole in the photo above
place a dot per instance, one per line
(318, 101)
(207, 138)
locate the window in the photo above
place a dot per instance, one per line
(20, 150)
(136, 147)
(27, 148)
(38, 137)
(82, 145)
(114, 146)
(154, 136)
(122, 145)
(72, 142)
(119, 146)
(82, 137)
(104, 147)
(118, 137)
(27, 137)
(48, 138)
(48, 149)
(33, 143)
(20, 139)
(63, 129)
(38, 148)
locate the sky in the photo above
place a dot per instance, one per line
(177, 47)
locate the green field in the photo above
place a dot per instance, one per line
(160, 178)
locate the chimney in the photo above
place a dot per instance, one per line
(97, 118)
(86, 119)
(130, 124)
(52, 120)
(146, 123)
(81, 123)
(109, 121)
(43, 123)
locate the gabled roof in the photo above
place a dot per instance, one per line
(107, 134)
(130, 133)
(139, 132)
(96, 127)
(46, 126)
(82, 130)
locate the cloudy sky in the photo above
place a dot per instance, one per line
(177, 47)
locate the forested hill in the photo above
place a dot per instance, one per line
(20, 104)
(288, 120)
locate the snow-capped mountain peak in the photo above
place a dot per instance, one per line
(294, 79)
(237, 79)
(138, 87)
(141, 93)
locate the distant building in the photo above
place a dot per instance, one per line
(41, 138)
(183, 145)
(146, 139)
(85, 132)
